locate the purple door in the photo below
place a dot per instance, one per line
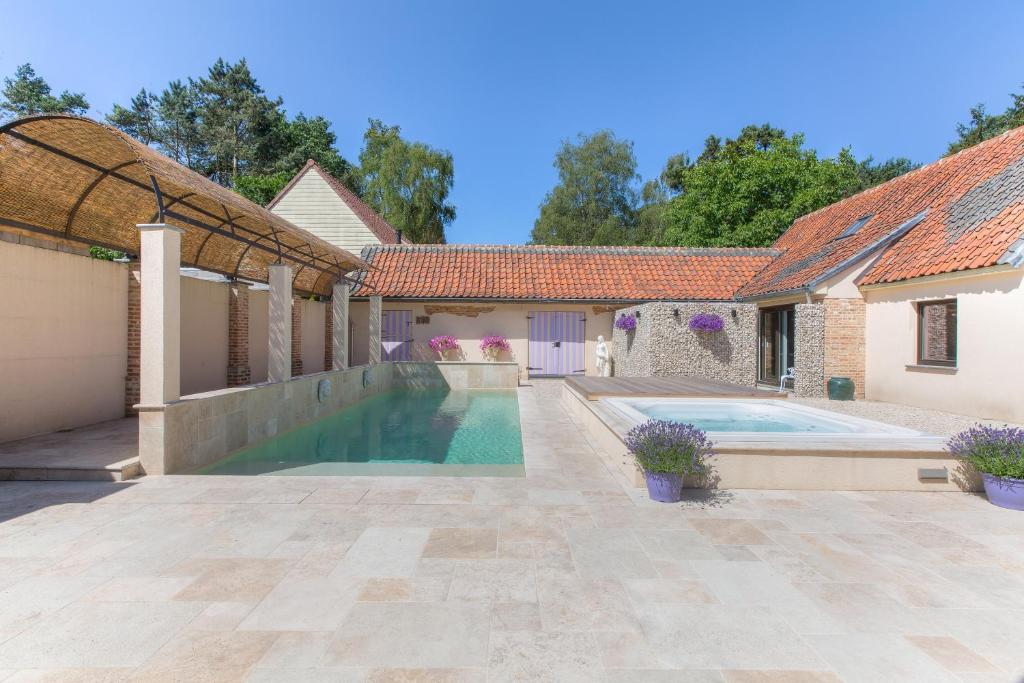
(395, 335)
(556, 345)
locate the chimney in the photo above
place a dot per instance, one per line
(399, 233)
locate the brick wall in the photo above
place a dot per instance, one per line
(844, 340)
(296, 336)
(134, 340)
(239, 373)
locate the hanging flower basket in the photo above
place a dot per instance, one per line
(493, 345)
(706, 322)
(626, 323)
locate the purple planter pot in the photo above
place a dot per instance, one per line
(1001, 491)
(664, 487)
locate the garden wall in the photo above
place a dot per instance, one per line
(663, 345)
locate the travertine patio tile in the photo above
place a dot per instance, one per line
(609, 553)
(206, 655)
(334, 495)
(866, 658)
(790, 676)
(497, 580)
(230, 580)
(515, 616)
(426, 675)
(659, 591)
(573, 604)
(222, 616)
(98, 634)
(412, 635)
(866, 608)
(307, 675)
(951, 654)
(384, 552)
(555, 657)
(138, 589)
(677, 545)
(418, 589)
(731, 532)
(304, 604)
(99, 675)
(296, 650)
(663, 676)
(462, 543)
(725, 637)
(32, 598)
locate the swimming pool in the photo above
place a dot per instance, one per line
(752, 418)
(471, 432)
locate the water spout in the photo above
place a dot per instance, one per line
(790, 374)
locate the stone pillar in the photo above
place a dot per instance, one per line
(375, 329)
(134, 341)
(809, 351)
(279, 302)
(296, 336)
(239, 373)
(338, 312)
(160, 367)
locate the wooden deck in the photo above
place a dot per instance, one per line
(592, 388)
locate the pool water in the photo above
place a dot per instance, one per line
(749, 416)
(405, 431)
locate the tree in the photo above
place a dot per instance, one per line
(872, 173)
(180, 136)
(140, 120)
(28, 93)
(983, 125)
(746, 191)
(407, 183)
(240, 126)
(261, 188)
(595, 201)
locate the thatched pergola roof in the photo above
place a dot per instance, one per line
(71, 178)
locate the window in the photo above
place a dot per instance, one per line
(936, 333)
(857, 225)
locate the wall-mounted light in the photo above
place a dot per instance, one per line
(675, 312)
(637, 314)
(733, 313)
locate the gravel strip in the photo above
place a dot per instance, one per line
(922, 419)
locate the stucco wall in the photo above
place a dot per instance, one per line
(664, 345)
(313, 336)
(63, 331)
(204, 335)
(990, 328)
(259, 335)
(505, 319)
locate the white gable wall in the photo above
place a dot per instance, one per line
(313, 205)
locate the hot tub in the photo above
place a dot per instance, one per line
(752, 419)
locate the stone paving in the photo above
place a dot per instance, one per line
(563, 575)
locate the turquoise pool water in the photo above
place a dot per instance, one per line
(406, 431)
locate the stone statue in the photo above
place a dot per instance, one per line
(604, 368)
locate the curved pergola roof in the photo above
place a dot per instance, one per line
(72, 178)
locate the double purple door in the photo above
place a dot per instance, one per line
(396, 335)
(556, 345)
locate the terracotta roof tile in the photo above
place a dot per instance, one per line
(558, 273)
(973, 205)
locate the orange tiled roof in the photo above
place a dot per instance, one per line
(619, 274)
(962, 212)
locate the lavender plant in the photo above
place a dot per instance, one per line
(667, 446)
(998, 451)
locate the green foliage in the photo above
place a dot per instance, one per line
(983, 125)
(138, 120)
(998, 451)
(407, 183)
(872, 173)
(104, 254)
(28, 93)
(595, 201)
(261, 189)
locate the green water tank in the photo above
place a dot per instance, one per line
(840, 389)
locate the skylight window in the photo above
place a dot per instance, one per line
(857, 225)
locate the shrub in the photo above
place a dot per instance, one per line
(627, 323)
(991, 450)
(444, 342)
(667, 446)
(706, 322)
(496, 342)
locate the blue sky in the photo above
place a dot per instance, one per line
(501, 84)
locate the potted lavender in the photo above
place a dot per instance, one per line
(492, 345)
(667, 452)
(998, 455)
(445, 345)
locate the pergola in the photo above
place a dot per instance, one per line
(73, 179)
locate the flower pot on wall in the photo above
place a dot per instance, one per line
(1004, 492)
(664, 487)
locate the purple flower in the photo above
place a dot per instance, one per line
(627, 323)
(668, 446)
(494, 341)
(445, 342)
(706, 322)
(998, 451)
